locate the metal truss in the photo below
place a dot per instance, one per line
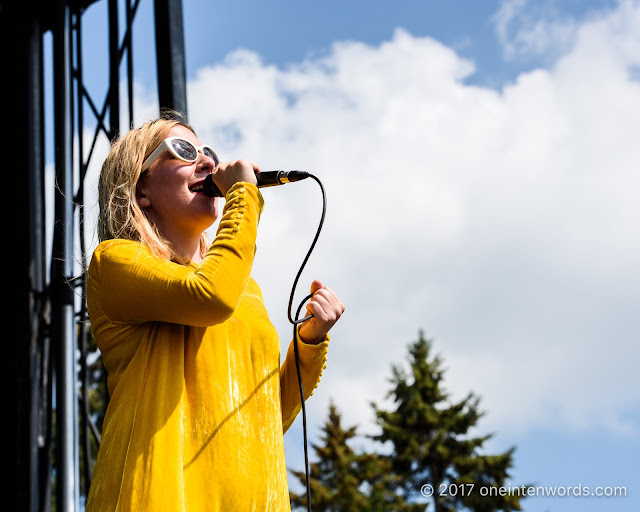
(52, 402)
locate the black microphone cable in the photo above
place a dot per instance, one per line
(267, 179)
(295, 322)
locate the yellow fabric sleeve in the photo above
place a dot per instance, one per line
(175, 293)
(313, 360)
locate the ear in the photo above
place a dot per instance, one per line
(142, 198)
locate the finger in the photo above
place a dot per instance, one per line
(332, 298)
(329, 293)
(315, 286)
(324, 310)
(320, 312)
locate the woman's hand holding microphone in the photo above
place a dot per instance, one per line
(227, 174)
(324, 305)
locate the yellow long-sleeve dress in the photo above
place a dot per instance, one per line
(199, 401)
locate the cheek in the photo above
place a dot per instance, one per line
(170, 189)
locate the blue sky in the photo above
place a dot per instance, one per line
(283, 32)
(290, 31)
(286, 32)
(481, 169)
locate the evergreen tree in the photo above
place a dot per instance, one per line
(431, 441)
(345, 481)
(334, 478)
(381, 485)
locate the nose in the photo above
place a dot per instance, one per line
(206, 163)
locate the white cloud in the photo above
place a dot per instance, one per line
(504, 223)
(549, 28)
(533, 28)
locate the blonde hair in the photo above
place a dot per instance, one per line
(120, 216)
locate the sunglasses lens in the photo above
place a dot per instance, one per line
(185, 149)
(211, 154)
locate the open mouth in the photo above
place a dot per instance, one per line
(197, 187)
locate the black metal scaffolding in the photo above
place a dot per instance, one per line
(48, 353)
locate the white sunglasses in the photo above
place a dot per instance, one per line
(182, 149)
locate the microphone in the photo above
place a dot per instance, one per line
(265, 179)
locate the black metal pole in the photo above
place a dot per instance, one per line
(35, 120)
(20, 34)
(172, 87)
(114, 71)
(62, 265)
(128, 44)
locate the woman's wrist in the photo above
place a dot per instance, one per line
(312, 340)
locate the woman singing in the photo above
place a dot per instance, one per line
(199, 396)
